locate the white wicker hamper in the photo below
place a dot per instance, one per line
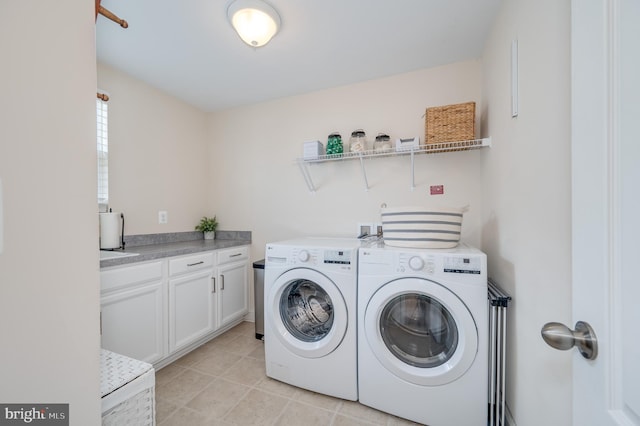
(127, 387)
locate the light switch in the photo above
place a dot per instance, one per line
(364, 229)
(1, 220)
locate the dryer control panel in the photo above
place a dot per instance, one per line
(462, 264)
(428, 263)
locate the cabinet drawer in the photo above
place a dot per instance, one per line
(113, 279)
(191, 263)
(232, 254)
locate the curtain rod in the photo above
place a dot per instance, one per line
(107, 14)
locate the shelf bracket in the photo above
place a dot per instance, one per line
(304, 169)
(364, 173)
(413, 171)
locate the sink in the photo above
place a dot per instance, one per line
(104, 255)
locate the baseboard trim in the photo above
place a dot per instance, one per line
(250, 316)
(204, 339)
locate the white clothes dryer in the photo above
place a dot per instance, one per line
(422, 334)
(310, 299)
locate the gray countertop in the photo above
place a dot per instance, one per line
(168, 247)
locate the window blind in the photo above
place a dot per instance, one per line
(102, 114)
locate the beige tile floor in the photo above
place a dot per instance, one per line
(223, 383)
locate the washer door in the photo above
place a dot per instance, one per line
(308, 312)
(420, 331)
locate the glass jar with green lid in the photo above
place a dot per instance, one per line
(334, 144)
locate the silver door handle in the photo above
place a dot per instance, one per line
(561, 337)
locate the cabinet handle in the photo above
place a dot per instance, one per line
(214, 284)
(221, 282)
(194, 264)
(236, 255)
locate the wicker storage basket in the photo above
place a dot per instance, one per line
(450, 123)
(127, 387)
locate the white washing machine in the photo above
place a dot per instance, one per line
(310, 299)
(422, 334)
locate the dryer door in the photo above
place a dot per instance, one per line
(308, 311)
(421, 331)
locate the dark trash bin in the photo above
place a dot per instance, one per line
(258, 300)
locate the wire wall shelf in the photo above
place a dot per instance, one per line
(434, 148)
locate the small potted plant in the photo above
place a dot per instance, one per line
(208, 225)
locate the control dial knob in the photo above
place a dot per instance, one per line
(303, 256)
(416, 263)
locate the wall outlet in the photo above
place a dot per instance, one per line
(365, 228)
(163, 216)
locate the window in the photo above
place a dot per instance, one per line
(102, 114)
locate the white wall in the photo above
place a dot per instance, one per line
(49, 285)
(256, 183)
(157, 159)
(157, 156)
(527, 200)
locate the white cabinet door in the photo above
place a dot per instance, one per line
(132, 322)
(191, 308)
(233, 301)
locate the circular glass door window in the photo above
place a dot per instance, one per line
(418, 330)
(306, 310)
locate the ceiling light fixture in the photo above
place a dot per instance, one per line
(255, 21)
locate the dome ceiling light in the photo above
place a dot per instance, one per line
(255, 21)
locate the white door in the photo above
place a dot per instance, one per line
(606, 207)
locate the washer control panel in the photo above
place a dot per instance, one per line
(304, 256)
(339, 257)
(312, 257)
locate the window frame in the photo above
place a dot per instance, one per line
(102, 151)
